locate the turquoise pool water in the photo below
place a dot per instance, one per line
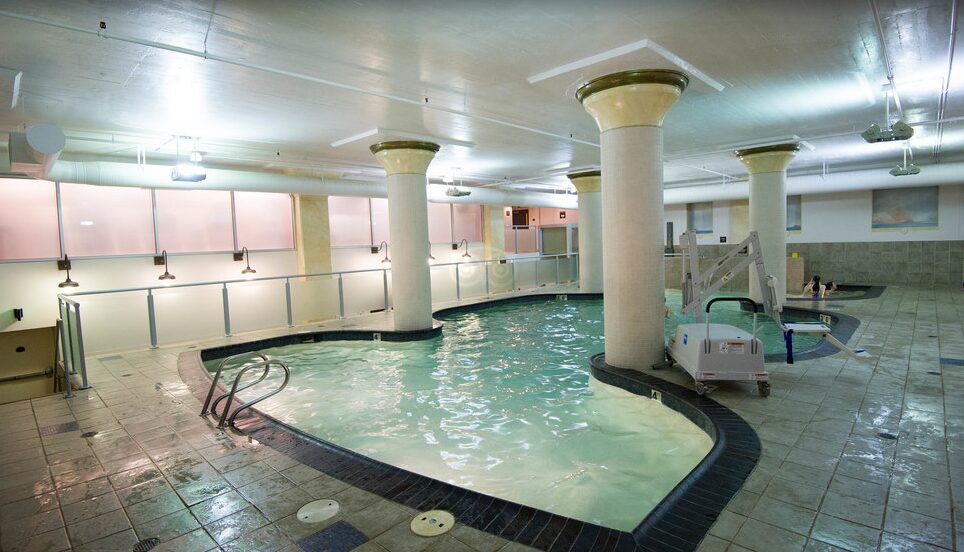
(501, 403)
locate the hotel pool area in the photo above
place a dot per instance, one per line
(502, 403)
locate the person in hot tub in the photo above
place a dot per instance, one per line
(814, 288)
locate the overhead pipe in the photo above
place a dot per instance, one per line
(34, 152)
(848, 181)
(105, 173)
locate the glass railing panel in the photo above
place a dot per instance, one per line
(257, 305)
(364, 292)
(472, 279)
(115, 322)
(185, 314)
(443, 283)
(500, 277)
(314, 299)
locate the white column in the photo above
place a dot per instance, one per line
(629, 108)
(406, 162)
(768, 211)
(588, 184)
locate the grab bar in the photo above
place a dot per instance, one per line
(234, 389)
(264, 374)
(217, 376)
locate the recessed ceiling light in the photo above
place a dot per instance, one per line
(86, 223)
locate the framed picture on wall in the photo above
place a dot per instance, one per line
(699, 217)
(794, 214)
(900, 208)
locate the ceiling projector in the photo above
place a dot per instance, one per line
(455, 192)
(905, 170)
(185, 172)
(900, 131)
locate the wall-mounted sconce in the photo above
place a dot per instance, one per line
(456, 246)
(382, 246)
(430, 256)
(162, 260)
(64, 264)
(244, 255)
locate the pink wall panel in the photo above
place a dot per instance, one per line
(106, 220)
(468, 222)
(264, 220)
(380, 231)
(439, 222)
(349, 221)
(194, 220)
(28, 219)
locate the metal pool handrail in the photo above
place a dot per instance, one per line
(234, 389)
(217, 376)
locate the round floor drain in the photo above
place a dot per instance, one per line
(89, 433)
(888, 436)
(432, 523)
(146, 544)
(317, 511)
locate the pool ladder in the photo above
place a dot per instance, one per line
(264, 363)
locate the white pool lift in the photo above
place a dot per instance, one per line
(721, 352)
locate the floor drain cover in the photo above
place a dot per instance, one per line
(146, 544)
(89, 434)
(317, 511)
(432, 523)
(888, 436)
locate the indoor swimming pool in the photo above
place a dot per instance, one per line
(502, 403)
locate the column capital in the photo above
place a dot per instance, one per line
(766, 159)
(632, 98)
(586, 181)
(404, 156)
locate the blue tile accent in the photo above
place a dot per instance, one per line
(338, 537)
(952, 361)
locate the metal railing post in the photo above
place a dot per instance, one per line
(227, 310)
(288, 301)
(538, 260)
(385, 287)
(485, 267)
(341, 296)
(151, 320)
(458, 285)
(512, 271)
(557, 270)
(80, 350)
(64, 339)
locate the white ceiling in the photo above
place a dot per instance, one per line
(769, 70)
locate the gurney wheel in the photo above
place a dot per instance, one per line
(764, 388)
(700, 388)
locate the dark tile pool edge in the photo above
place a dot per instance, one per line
(536, 528)
(681, 520)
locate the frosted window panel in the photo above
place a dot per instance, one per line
(439, 222)
(380, 231)
(106, 220)
(468, 222)
(349, 221)
(194, 220)
(263, 220)
(28, 219)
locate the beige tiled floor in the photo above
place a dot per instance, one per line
(826, 480)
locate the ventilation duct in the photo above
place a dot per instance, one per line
(102, 173)
(849, 181)
(34, 152)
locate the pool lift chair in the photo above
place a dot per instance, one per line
(720, 352)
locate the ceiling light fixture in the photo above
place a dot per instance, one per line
(187, 172)
(162, 260)
(905, 169)
(64, 264)
(244, 255)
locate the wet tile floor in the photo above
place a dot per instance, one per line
(141, 463)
